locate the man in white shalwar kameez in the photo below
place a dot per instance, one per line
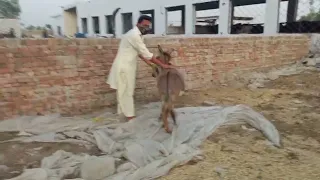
(122, 76)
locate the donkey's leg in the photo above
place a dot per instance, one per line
(173, 115)
(165, 114)
(160, 117)
(165, 122)
(162, 114)
(172, 112)
(163, 104)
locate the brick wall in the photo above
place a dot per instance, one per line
(69, 76)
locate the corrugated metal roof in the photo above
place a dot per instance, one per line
(208, 18)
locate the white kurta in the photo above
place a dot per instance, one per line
(122, 76)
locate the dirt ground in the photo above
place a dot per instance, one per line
(236, 152)
(292, 104)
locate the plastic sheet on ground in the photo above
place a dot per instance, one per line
(139, 149)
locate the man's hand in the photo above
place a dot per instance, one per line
(145, 60)
(167, 66)
(158, 62)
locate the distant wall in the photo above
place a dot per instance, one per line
(35, 33)
(6, 24)
(69, 76)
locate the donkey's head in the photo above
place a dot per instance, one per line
(164, 57)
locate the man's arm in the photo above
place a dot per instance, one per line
(156, 61)
(144, 53)
(145, 60)
(138, 44)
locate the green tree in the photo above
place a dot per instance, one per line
(30, 27)
(10, 8)
(49, 26)
(312, 16)
(39, 28)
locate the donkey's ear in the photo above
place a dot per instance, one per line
(160, 49)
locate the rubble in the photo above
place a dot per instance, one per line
(257, 80)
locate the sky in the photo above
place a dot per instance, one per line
(38, 12)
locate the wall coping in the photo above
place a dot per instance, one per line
(21, 42)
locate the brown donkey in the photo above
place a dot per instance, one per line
(170, 84)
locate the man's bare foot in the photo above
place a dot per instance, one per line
(130, 118)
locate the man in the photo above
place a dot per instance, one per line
(122, 75)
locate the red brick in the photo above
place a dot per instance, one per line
(5, 70)
(69, 76)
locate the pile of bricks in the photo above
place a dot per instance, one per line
(69, 76)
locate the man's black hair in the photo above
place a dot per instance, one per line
(144, 17)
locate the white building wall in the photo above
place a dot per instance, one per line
(57, 21)
(101, 8)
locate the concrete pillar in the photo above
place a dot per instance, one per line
(232, 16)
(90, 25)
(190, 18)
(292, 10)
(225, 7)
(79, 24)
(271, 23)
(66, 23)
(160, 21)
(103, 25)
(135, 17)
(118, 21)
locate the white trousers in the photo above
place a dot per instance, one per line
(125, 93)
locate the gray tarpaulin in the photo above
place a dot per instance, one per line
(139, 149)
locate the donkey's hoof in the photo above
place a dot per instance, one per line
(175, 121)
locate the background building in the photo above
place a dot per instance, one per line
(182, 16)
